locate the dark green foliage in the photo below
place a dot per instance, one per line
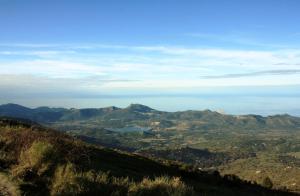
(267, 182)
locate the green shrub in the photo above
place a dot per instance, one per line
(161, 186)
(67, 181)
(267, 182)
(39, 158)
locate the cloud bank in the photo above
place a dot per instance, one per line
(94, 68)
(258, 73)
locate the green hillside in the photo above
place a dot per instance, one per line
(145, 116)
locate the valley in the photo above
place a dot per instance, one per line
(251, 147)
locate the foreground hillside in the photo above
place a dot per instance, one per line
(39, 161)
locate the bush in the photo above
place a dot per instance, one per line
(65, 182)
(161, 186)
(69, 182)
(267, 182)
(39, 158)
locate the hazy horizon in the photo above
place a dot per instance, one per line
(254, 100)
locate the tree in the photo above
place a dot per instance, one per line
(267, 182)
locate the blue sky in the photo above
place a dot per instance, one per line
(136, 47)
(136, 22)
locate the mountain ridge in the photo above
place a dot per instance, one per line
(152, 117)
(133, 107)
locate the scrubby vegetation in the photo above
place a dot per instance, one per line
(40, 161)
(7, 186)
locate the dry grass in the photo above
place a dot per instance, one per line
(160, 186)
(7, 187)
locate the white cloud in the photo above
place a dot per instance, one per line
(50, 68)
(146, 66)
(238, 38)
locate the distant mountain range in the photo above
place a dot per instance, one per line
(118, 117)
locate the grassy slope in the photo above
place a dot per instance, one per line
(256, 168)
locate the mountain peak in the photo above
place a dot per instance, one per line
(139, 108)
(12, 106)
(111, 108)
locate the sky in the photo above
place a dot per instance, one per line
(52, 52)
